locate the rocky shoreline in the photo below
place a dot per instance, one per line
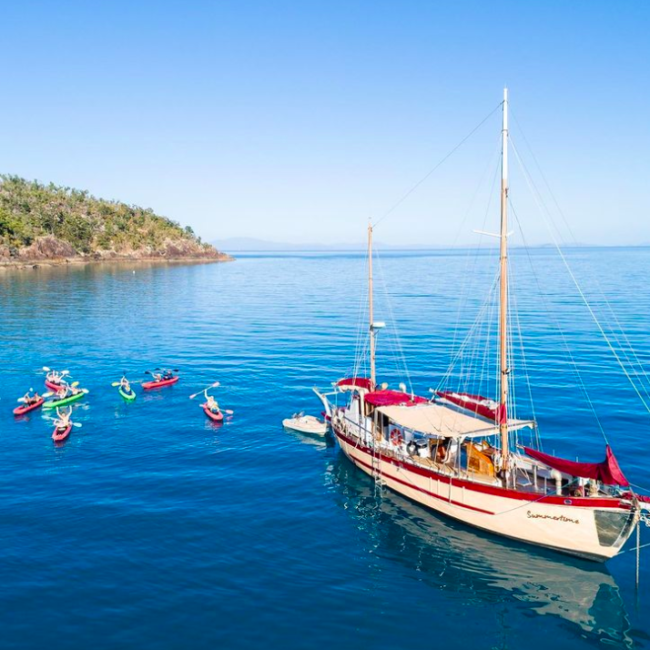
(50, 251)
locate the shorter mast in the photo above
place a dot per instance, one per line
(373, 377)
(503, 292)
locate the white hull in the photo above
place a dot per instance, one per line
(568, 525)
(306, 424)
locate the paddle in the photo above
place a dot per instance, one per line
(216, 383)
(23, 401)
(74, 424)
(63, 372)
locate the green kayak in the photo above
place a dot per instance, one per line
(66, 400)
(129, 397)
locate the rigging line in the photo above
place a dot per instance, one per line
(524, 362)
(632, 352)
(582, 295)
(557, 325)
(442, 160)
(632, 362)
(471, 272)
(468, 337)
(399, 350)
(360, 343)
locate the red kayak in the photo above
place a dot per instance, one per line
(51, 385)
(59, 435)
(21, 410)
(215, 417)
(157, 384)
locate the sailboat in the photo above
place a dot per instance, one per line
(454, 452)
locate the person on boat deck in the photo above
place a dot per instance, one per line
(31, 399)
(63, 421)
(441, 450)
(211, 403)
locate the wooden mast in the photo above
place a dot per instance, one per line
(503, 293)
(371, 311)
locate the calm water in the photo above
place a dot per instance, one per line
(153, 528)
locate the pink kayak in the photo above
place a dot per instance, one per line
(59, 435)
(158, 384)
(21, 410)
(215, 417)
(52, 386)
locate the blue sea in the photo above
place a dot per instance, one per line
(153, 528)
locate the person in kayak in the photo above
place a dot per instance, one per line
(63, 420)
(125, 385)
(167, 374)
(63, 391)
(30, 399)
(211, 403)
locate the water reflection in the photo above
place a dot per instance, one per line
(320, 441)
(451, 557)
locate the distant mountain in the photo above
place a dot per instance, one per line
(239, 244)
(250, 244)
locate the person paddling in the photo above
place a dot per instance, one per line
(211, 403)
(62, 393)
(63, 420)
(30, 399)
(125, 385)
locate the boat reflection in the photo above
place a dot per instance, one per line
(316, 440)
(451, 557)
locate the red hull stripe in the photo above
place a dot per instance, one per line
(571, 502)
(419, 489)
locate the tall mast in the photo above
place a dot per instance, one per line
(371, 311)
(503, 293)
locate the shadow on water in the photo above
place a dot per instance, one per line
(450, 557)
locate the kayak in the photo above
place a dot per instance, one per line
(59, 435)
(21, 410)
(51, 385)
(215, 417)
(66, 400)
(157, 384)
(129, 397)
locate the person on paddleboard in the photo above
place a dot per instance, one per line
(211, 403)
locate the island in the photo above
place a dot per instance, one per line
(48, 224)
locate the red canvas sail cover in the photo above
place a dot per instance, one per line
(393, 398)
(478, 404)
(359, 382)
(608, 471)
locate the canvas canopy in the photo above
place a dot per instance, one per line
(350, 383)
(607, 471)
(442, 421)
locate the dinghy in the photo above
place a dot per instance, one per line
(305, 424)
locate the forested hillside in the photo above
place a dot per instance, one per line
(40, 221)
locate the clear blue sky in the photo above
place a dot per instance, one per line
(298, 121)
